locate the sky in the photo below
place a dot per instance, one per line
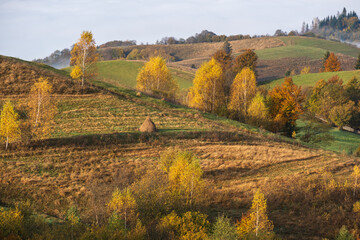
(33, 29)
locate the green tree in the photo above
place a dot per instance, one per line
(344, 234)
(341, 114)
(326, 56)
(155, 78)
(224, 229)
(227, 47)
(9, 124)
(207, 93)
(84, 55)
(243, 89)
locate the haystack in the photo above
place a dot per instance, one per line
(148, 126)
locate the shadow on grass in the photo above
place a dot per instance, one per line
(159, 138)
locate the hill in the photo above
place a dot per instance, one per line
(307, 80)
(96, 147)
(123, 73)
(300, 52)
(17, 76)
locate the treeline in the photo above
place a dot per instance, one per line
(203, 36)
(344, 26)
(58, 59)
(117, 43)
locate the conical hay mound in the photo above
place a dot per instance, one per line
(148, 126)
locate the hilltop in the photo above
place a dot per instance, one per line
(17, 76)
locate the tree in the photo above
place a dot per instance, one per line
(185, 176)
(41, 108)
(357, 65)
(344, 234)
(341, 114)
(123, 205)
(84, 55)
(76, 73)
(225, 60)
(332, 64)
(9, 124)
(305, 70)
(258, 111)
(256, 221)
(285, 105)
(207, 93)
(155, 78)
(242, 91)
(227, 47)
(224, 229)
(246, 59)
(356, 174)
(326, 56)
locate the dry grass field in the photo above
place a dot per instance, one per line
(95, 148)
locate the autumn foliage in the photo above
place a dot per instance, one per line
(243, 89)
(285, 106)
(155, 78)
(332, 64)
(255, 224)
(84, 56)
(207, 93)
(9, 124)
(42, 108)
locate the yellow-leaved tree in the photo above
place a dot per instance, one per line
(155, 78)
(42, 108)
(256, 221)
(258, 112)
(84, 56)
(207, 93)
(356, 175)
(123, 205)
(242, 91)
(9, 124)
(185, 176)
(76, 73)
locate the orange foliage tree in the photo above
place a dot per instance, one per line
(246, 59)
(332, 64)
(285, 106)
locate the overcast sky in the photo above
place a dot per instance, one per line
(35, 28)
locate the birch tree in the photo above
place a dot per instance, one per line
(84, 55)
(155, 78)
(243, 89)
(9, 124)
(207, 93)
(41, 108)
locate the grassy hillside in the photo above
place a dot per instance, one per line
(311, 78)
(312, 48)
(18, 76)
(331, 46)
(123, 73)
(96, 147)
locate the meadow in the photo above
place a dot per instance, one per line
(308, 80)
